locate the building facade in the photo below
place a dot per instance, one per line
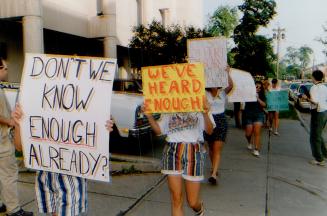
(82, 27)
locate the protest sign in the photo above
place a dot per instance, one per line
(66, 102)
(173, 88)
(277, 100)
(243, 87)
(212, 52)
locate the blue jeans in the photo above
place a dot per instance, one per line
(317, 125)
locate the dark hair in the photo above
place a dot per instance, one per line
(274, 81)
(261, 93)
(318, 75)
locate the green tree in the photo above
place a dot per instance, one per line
(159, 45)
(254, 53)
(223, 21)
(323, 40)
(297, 60)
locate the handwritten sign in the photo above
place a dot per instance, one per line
(66, 101)
(277, 100)
(244, 87)
(173, 88)
(212, 52)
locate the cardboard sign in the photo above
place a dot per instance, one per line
(277, 100)
(66, 102)
(243, 87)
(212, 52)
(173, 88)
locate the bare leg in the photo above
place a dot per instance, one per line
(257, 132)
(276, 121)
(216, 155)
(193, 195)
(248, 133)
(175, 184)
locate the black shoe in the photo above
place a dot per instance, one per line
(212, 180)
(3, 208)
(21, 212)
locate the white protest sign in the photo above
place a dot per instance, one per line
(66, 102)
(212, 52)
(243, 87)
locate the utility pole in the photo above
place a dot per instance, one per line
(278, 35)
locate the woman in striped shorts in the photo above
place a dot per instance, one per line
(183, 155)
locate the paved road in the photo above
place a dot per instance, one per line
(306, 118)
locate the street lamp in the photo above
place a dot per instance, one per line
(278, 35)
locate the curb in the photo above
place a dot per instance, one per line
(139, 163)
(302, 121)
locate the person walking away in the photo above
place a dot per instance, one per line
(318, 100)
(266, 86)
(8, 163)
(274, 115)
(183, 156)
(254, 119)
(217, 101)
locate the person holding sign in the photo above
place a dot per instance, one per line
(183, 154)
(254, 118)
(217, 99)
(274, 115)
(8, 164)
(56, 193)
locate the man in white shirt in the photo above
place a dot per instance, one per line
(318, 100)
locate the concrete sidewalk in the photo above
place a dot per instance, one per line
(279, 183)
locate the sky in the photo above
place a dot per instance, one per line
(302, 20)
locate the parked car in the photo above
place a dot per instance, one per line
(292, 90)
(303, 89)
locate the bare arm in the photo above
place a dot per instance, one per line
(153, 123)
(17, 115)
(208, 127)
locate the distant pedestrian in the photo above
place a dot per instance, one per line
(266, 87)
(274, 115)
(217, 100)
(8, 163)
(318, 100)
(183, 155)
(56, 194)
(254, 119)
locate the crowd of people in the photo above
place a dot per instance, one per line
(183, 154)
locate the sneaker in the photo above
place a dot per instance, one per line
(21, 212)
(250, 147)
(321, 163)
(200, 212)
(3, 208)
(276, 133)
(212, 180)
(256, 153)
(270, 129)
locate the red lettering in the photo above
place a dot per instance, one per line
(162, 87)
(173, 87)
(185, 86)
(157, 104)
(164, 72)
(147, 103)
(190, 70)
(180, 70)
(185, 104)
(153, 88)
(196, 86)
(196, 103)
(152, 74)
(166, 104)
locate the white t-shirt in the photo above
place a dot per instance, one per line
(182, 127)
(318, 94)
(217, 104)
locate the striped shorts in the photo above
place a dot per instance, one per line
(186, 159)
(62, 194)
